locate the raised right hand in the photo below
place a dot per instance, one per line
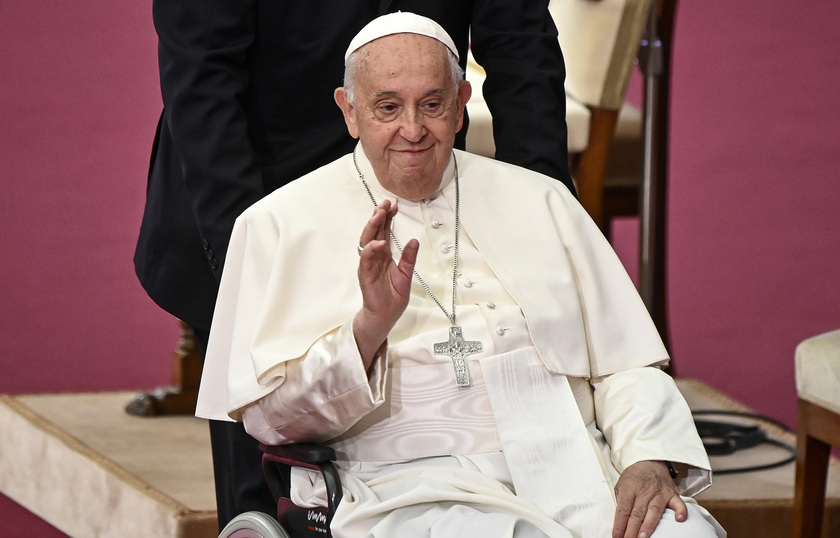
(385, 285)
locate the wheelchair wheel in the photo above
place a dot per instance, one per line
(254, 525)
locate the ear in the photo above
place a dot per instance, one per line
(348, 110)
(464, 94)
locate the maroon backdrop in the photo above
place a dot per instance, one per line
(754, 227)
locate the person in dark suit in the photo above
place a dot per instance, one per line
(247, 88)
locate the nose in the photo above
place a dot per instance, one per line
(413, 126)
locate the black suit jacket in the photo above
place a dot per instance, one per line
(247, 88)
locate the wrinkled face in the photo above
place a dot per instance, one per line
(406, 112)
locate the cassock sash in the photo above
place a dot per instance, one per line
(553, 460)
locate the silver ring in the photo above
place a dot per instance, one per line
(360, 249)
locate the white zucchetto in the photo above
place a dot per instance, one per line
(401, 22)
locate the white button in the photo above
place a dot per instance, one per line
(491, 305)
(501, 331)
(468, 283)
(436, 224)
(445, 248)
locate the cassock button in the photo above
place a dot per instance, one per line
(436, 224)
(214, 264)
(206, 244)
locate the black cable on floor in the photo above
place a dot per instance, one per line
(724, 438)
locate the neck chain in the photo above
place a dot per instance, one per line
(399, 246)
(456, 347)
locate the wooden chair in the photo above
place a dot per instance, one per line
(618, 151)
(600, 40)
(636, 179)
(180, 397)
(818, 428)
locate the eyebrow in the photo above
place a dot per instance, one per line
(390, 93)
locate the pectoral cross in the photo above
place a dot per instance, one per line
(458, 349)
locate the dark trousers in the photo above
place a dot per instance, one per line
(237, 465)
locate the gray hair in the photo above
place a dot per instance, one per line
(352, 68)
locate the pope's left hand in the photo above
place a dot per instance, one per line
(643, 492)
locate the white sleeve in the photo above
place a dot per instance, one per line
(321, 395)
(643, 416)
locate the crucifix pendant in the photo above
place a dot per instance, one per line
(458, 349)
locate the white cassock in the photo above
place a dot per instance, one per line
(561, 399)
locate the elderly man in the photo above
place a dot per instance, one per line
(477, 356)
(247, 91)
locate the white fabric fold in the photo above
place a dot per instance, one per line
(323, 394)
(550, 454)
(643, 416)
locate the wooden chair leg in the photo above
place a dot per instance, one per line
(592, 167)
(812, 457)
(179, 398)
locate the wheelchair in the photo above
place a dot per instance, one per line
(291, 521)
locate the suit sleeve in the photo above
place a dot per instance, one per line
(203, 53)
(516, 43)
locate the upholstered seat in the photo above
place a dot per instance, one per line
(600, 40)
(818, 371)
(480, 134)
(818, 427)
(618, 154)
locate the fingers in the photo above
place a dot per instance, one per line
(651, 518)
(378, 265)
(628, 516)
(374, 253)
(622, 517)
(385, 285)
(643, 492)
(390, 213)
(637, 517)
(378, 227)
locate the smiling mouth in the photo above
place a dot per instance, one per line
(413, 151)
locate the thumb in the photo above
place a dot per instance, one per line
(678, 506)
(408, 258)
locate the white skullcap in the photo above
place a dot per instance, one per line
(400, 22)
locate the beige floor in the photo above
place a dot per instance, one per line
(84, 465)
(89, 469)
(756, 504)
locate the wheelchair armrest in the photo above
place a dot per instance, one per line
(298, 453)
(279, 459)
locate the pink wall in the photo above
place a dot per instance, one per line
(754, 226)
(755, 201)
